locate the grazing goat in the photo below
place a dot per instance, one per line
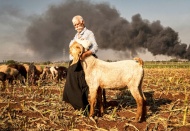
(11, 73)
(46, 72)
(20, 68)
(53, 71)
(58, 72)
(3, 78)
(61, 72)
(39, 71)
(99, 74)
(32, 74)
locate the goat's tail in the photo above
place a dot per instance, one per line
(139, 60)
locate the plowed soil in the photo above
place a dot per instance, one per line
(40, 108)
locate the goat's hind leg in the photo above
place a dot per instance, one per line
(104, 98)
(141, 104)
(99, 102)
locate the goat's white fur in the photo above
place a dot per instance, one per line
(85, 43)
(53, 71)
(98, 73)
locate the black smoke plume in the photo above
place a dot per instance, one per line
(52, 31)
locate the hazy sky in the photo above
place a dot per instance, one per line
(16, 16)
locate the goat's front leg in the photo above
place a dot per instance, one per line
(92, 101)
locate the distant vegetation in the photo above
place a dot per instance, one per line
(173, 63)
(166, 64)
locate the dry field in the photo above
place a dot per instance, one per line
(40, 108)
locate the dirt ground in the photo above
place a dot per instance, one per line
(40, 108)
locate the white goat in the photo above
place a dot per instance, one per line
(121, 74)
(53, 71)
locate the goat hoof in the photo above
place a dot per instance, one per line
(139, 120)
(143, 120)
(92, 119)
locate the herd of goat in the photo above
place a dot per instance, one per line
(30, 73)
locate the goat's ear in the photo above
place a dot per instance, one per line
(75, 60)
(75, 51)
